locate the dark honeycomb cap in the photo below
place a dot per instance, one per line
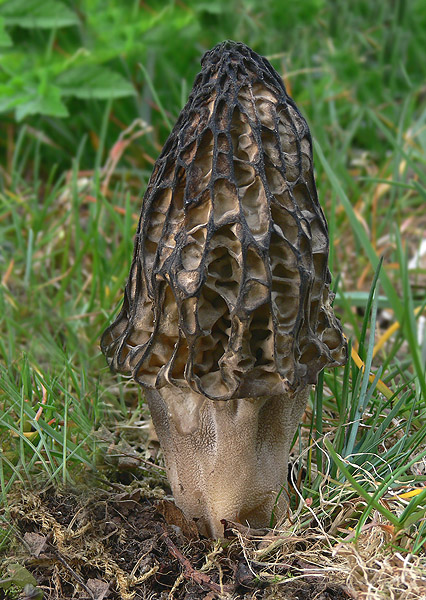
(228, 291)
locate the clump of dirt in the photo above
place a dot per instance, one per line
(130, 543)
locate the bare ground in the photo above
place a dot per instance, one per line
(127, 543)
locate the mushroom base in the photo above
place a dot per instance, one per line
(226, 459)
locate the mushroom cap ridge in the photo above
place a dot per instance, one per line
(228, 291)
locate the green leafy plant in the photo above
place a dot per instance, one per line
(40, 81)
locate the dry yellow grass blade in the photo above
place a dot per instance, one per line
(412, 493)
(381, 386)
(389, 332)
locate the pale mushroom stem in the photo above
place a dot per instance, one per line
(227, 459)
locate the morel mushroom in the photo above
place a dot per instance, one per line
(227, 316)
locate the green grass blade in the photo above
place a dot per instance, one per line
(371, 500)
(361, 235)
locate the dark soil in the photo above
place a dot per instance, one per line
(128, 544)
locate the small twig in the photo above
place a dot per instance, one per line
(8, 272)
(72, 572)
(189, 571)
(149, 464)
(43, 401)
(120, 146)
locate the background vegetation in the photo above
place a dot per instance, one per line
(88, 93)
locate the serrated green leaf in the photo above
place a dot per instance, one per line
(49, 104)
(10, 97)
(94, 82)
(20, 576)
(5, 39)
(42, 14)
